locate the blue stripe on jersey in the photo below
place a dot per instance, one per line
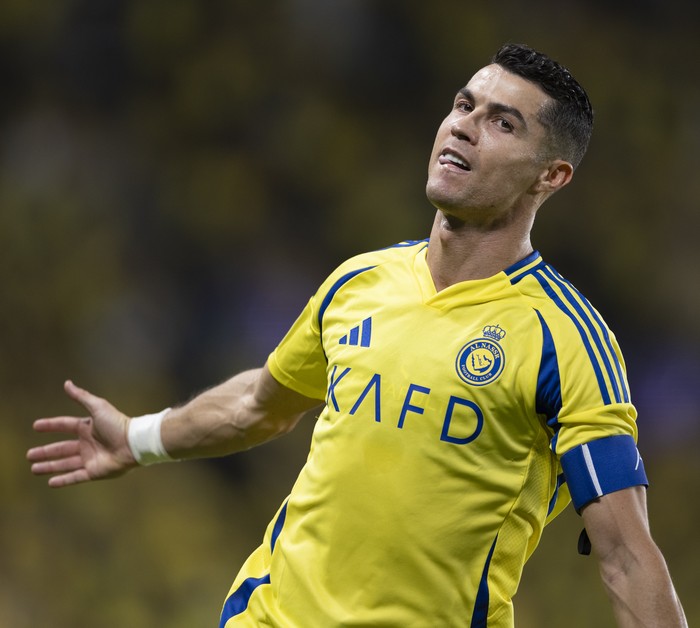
(570, 294)
(548, 394)
(481, 604)
(334, 289)
(366, 332)
(277, 528)
(406, 243)
(549, 290)
(237, 602)
(602, 466)
(513, 270)
(553, 502)
(606, 337)
(579, 310)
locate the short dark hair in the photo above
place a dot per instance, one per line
(569, 118)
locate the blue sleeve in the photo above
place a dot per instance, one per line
(602, 466)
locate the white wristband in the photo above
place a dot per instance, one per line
(144, 438)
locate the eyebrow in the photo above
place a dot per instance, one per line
(496, 107)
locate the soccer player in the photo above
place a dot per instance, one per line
(468, 393)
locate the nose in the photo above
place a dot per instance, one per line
(465, 128)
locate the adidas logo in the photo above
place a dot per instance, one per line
(359, 336)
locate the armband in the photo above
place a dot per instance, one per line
(144, 438)
(602, 466)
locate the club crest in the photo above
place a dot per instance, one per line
(481, 361)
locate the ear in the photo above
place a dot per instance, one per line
(558, 174)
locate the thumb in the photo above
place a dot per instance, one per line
(89, 401)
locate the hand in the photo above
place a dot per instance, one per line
(99, 451)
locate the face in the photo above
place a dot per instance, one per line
(487, 153)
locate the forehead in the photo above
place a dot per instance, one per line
(494, 84)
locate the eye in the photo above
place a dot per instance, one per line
(504, 125)
(464, 105)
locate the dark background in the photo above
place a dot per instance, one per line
(176, 177)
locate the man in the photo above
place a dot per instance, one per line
(467, 390)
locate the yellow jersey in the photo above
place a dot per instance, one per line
(437, 459)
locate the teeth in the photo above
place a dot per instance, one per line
(456, 160)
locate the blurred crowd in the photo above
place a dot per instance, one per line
(177, 177)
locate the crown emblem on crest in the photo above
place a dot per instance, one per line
(494, 331)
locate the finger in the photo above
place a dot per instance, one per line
(83, 397)
(65, 424)
(63, 465)
(54, 451)
(68, 479)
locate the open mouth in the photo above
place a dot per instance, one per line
(450, 158)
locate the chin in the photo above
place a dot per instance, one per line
(439, 198)
(445, 203)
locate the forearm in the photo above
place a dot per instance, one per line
(641, 590)
(246, 410)
(213, 423)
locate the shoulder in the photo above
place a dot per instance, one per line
(359, 272)
(556, 298)
(577, 333)
(358, 264)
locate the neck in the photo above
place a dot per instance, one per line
(460, 251)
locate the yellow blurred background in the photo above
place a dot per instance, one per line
(177, 176)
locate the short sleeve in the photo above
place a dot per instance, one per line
(583, 394)
(299, 362)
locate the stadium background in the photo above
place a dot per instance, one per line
(177, 176)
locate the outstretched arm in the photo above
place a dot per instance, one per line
(246, 410)
(632, 567)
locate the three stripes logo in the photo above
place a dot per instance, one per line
(360, 335)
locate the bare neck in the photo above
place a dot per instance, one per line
(460, 251)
